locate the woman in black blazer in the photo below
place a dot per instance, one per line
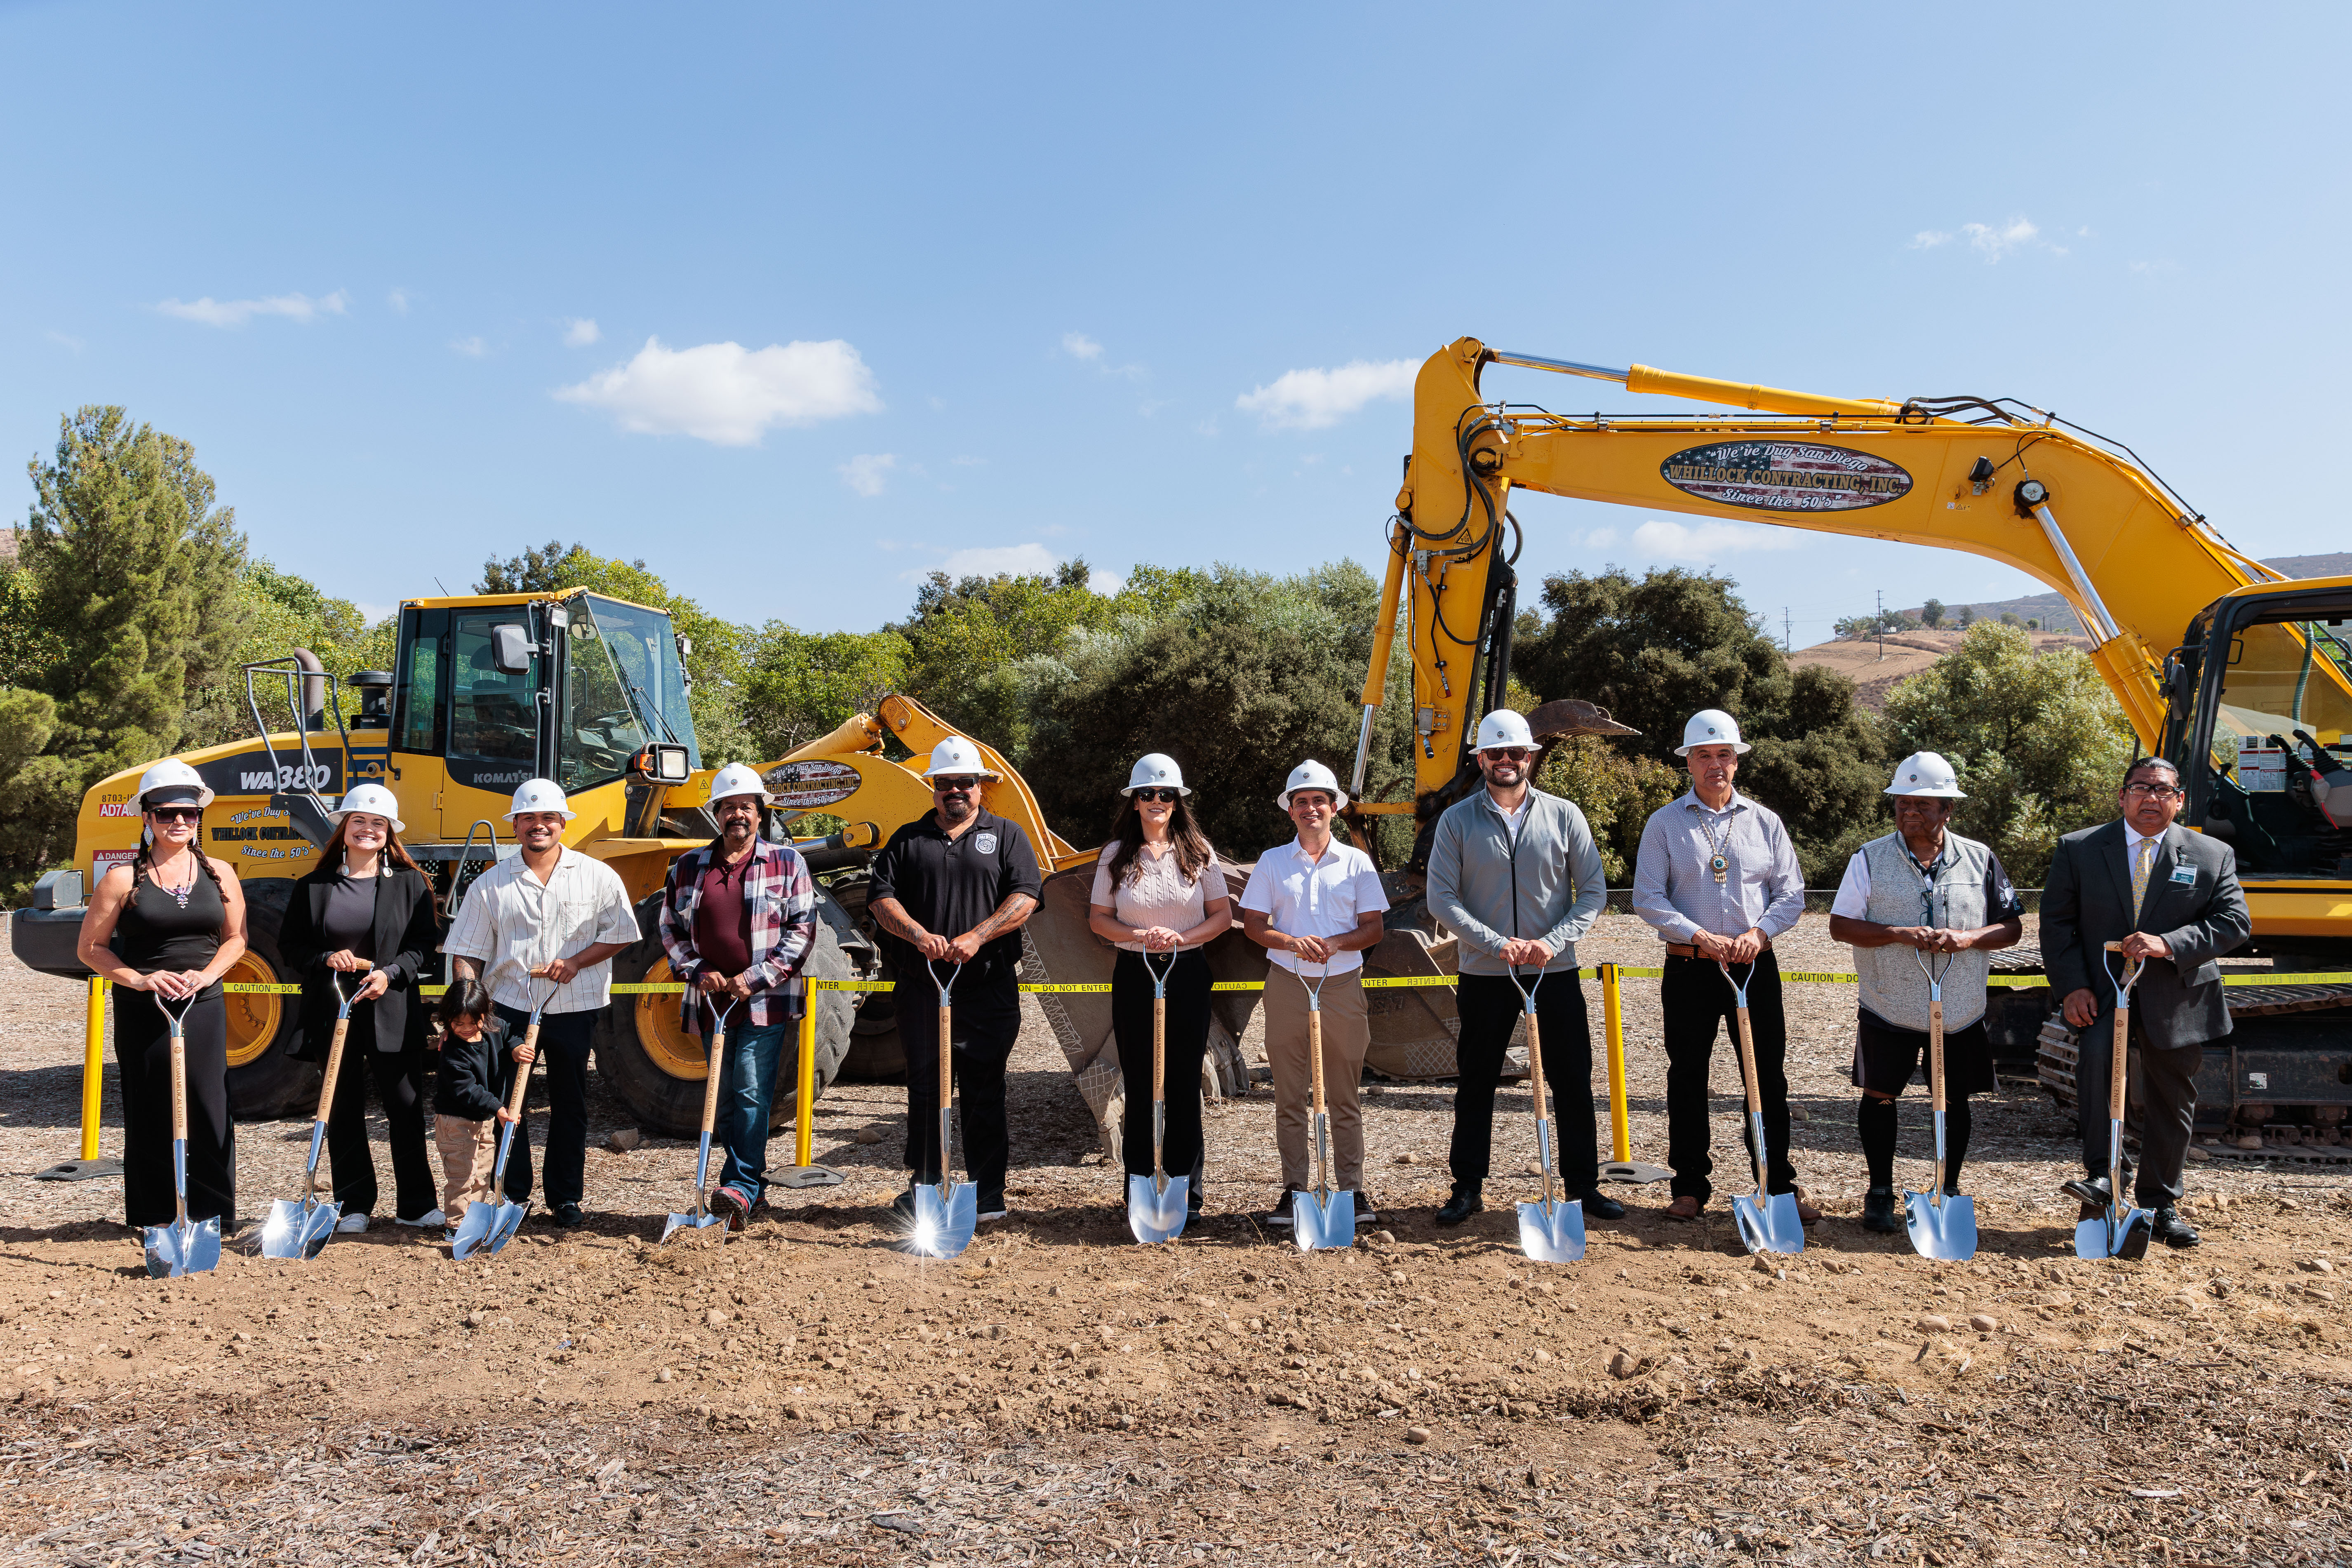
(368, 912)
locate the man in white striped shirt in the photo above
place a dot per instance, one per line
(548, 913)
(1717, 878)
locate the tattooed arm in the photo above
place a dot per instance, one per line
(1009, 916)
(892, 916)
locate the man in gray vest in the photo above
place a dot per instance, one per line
(1921, 889)
(1515, 877)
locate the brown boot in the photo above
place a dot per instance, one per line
(1684, 1208)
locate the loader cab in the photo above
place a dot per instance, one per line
(502, 687)
(2260, 720)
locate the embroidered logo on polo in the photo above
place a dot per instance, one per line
(985, 842)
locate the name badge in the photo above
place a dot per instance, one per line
(2184, 876)
(985, 842)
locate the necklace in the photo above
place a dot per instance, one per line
(179, 894)
(1719, 863)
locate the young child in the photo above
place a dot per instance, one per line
(470, 1100)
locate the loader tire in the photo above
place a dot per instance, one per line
(656, 1069)
(265, 1082)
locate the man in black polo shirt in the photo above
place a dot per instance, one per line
(961, 869)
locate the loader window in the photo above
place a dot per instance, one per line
(491, 713)
(621, 688)
(417, 724)
(2281, 676)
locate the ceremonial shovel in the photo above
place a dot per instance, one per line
(298, 1230)
(1549, 1231)
(2123, 1231)
(702, 1218)
(492, 1223)
(185, 1246)
(1768, 1222)
(946, 1214)
(1322, 1217)
(1941, 1227)
(1155, 1204)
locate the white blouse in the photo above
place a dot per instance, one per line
(1157, 894)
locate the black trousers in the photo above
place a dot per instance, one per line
(1490, 1009)
(2167, 1112)
(563, 1045)
(1188, 1042)
(987, 1020)
(143, 1057)
(1700, 1003)
(400, 1090)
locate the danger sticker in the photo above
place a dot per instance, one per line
(812, 786)
(1785, 476)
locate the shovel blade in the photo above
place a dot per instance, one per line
(944, 1220)
(183, 1247)
(1945, 1231)
(1768, 1223)
(297, 1230)
(1155, 1213)
(487, 1227)
(678, 1222)
(1553, 1232)
(2118, 1233)
(1323, 1222)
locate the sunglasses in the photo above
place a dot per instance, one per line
(1510, 753)
(1169, 795)
(954, 786)
(178, 813)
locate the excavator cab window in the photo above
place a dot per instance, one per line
(622, 687)
(2278, 739)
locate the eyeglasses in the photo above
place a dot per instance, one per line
(1168, 795)
(2153, 792)
(179, 814)
(954, 786)
(1509, 753)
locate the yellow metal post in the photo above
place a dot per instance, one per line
(804, 1101)
(1613, 1010)
(93, 1065)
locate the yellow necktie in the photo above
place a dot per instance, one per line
(2142, 863)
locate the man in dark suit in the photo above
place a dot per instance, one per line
(2171, 898)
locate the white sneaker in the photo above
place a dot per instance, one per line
(425, 1221)
(351, 1224)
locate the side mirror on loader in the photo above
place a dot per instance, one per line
(511, 648)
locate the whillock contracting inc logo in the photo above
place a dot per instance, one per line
(1785, 476)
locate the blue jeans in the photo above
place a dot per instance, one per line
(747, 1089)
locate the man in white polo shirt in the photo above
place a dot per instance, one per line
(1315, 906)
(510, 929)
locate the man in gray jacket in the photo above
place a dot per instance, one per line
(1515, 875)
(2170, 897)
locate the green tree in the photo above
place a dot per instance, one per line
(283, 612)
(1616, 789)
(42, 794)
(1967, 617)
(799, 686)
(2038, 741)
(533, 572)
(1931, 614)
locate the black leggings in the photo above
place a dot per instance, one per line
(400, 1088)
(1188, 1042)
(142, 1055)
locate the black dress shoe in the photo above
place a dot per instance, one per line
(1878, 1211)
(1598, 1204)
(2172, 1230)
(568, 1216)
(2091, 1190)
(1464, 1203)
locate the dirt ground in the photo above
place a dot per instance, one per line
(809, 1393)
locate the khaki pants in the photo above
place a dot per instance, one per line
(1345, 1034)
(468, 1151)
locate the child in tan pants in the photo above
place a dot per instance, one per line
(470, 1101)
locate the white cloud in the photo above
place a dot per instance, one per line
(1078, 345)
(868, 473)
(215, 312)
(728, 394)
(1106, 583)
(398, 300)
(71, 344)
(1600, 538)
(1665, 538)
(1993, 244)
(1316, 399)
(1928, 239)
(578, 331)
(472, 348)
(1032, 560)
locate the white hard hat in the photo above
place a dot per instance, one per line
(539, 794)
(1312, 775)
(955, 757)
(175, 777)
(1712, 726)
(1927, 773)
(1504, 727)
(1155, 770)
(373, 799)
(735, 778)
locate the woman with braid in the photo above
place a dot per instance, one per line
(166, 928)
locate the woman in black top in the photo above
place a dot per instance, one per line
(169, 925)
(366, 916)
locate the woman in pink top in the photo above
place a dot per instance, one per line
(1160, 890)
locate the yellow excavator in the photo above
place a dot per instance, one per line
(2242, 677)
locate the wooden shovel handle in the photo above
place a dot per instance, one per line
(946, 1066)
(179, 1084)
(1159, 1048)
(523, 1072)
(1315, 1054)
(1535, 1064)
(1936, 1052)
(1755, 1096)
(713, 1069)
(335, 1067)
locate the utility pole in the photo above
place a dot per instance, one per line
(1788, 642)
(1882, 623)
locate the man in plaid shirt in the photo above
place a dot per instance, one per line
(738, 920)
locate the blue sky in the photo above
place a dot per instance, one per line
(799, 303)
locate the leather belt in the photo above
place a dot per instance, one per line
(1675, 950)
